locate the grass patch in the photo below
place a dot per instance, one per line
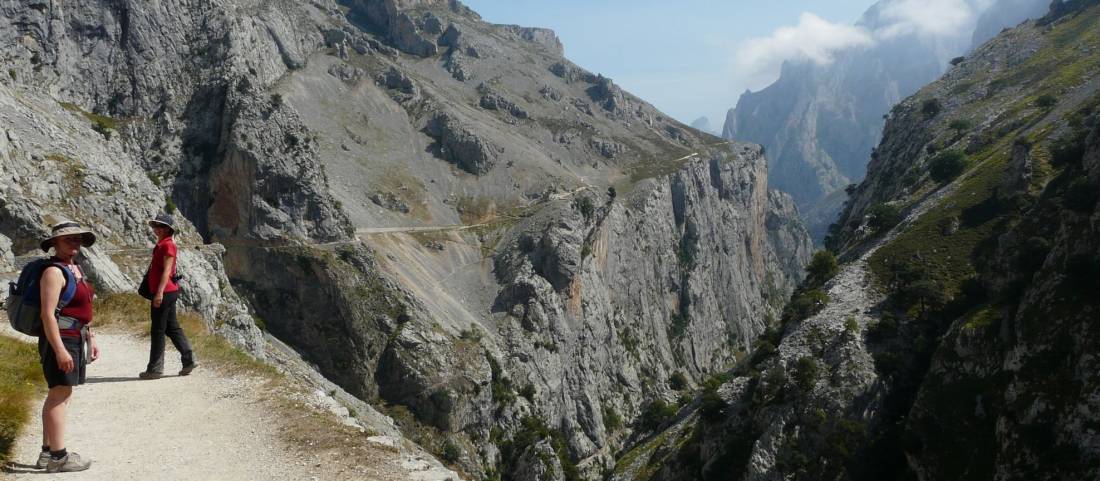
(409, 190)
(981, 319)
(20, 384)
(476, 210)
(948, 257)
(104, 125)
(73, 171)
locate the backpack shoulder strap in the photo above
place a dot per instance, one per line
(69, 291)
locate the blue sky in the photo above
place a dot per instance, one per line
(678, 55)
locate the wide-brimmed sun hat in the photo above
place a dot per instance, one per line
(164, 220)
(65, 228)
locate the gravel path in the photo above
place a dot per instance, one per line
(201, 427)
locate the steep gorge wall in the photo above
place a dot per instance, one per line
(955, 341)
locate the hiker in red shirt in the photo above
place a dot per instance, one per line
(162, 285)
(65, 334)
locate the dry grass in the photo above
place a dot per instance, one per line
(20, 385)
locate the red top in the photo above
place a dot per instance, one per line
(80, 307)
(165, 248)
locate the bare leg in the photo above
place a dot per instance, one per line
(53, 416)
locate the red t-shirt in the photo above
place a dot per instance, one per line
(79, 307)
(165, 248)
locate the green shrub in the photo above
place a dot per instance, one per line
(169, 205)
(473, 334)
(807, 303)
(882, 330)
(1046, 101)
(611, 419)
(851, 326)
(503, 393)
(586, 207)
(805, 373)
(528, 392)
(911, 285)
(946, 166)
(883, 217)
(451, 452)
(677, 381)
(771, 388)
(656, 414)
(763, 350)
(931, 108)
(822, 267)
(960, 125)
(957, 60)
(712, 406)
(104, 131)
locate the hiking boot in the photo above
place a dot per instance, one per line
(150, 375)
(70, 463)
(187, 369)
(43, 460)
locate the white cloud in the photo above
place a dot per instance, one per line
(928, 17)
(815, 39)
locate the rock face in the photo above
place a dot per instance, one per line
(955, 342)
(820, 123)
(55, 165)
(603, 247)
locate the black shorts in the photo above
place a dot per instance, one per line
(54, 375)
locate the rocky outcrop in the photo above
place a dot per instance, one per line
(540, 36)
(494, 101)
(57, 165)
(269, 183)
(460, 146)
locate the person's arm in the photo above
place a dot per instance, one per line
(49, 292)
(93, 346)
(169, 263)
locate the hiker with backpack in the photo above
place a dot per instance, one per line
(57, 290)
(160, 286)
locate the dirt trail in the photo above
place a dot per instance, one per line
(204, 426)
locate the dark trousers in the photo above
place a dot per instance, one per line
(164, 322)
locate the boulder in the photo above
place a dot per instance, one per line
(460, 146)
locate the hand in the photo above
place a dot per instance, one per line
(95, 351)
(64, 361)
(157, 300)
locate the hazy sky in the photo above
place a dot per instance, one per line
(682, 56)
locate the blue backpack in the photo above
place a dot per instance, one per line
(23, 297)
